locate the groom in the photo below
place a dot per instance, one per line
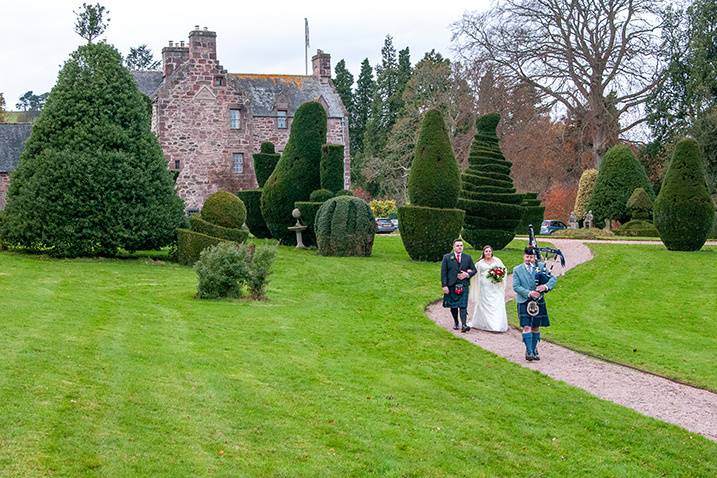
(456, 270)
(530, 281)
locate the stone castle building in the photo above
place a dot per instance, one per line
(210, 122)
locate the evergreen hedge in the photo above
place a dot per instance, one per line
(332, 167)
(198, 224)
(428, 233)
(683, 210)
(92, 178)
(492, 208)
(345, 226)
(343, 192)
(533, 212)
(320, 195)
(254, 220)
(265, 162)
(586, 186)
(639, 205)
(190, 245)
(637, 228)
(224, 209)
(297, 173)
(620, 174)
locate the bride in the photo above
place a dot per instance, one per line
(489, 311)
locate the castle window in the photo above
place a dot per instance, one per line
(177, 164)
(238, 163)
(281, 119)
(218, 81)
(234, 117)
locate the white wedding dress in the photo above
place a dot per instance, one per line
(489, 310)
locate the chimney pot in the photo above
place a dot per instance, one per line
(181, 43)
(205, 28)
(196, 27)
(171, 43)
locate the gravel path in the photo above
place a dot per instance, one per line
(689, 407)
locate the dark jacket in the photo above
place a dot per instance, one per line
(450, 268)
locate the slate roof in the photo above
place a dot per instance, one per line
(148, 81)
(12, 142)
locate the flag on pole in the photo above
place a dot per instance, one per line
(306, 32)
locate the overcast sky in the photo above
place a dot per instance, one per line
(36, 36)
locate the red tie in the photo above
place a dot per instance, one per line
(458, 258)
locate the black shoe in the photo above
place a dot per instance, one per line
(455, 327)
(529, 357)
(465, 329)
(536, 357)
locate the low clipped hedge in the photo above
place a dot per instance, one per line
(345, 226)
(254, 219)
(224, 209)
(332, 167)
(190, 245)
(428, 233)
(320, 195)
(587, 233)
(637, 228)
(343, 192)
(228, 233)
(308, 210)
(265, 162)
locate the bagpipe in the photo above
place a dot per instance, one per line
(542, 276)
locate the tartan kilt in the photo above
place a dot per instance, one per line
(454, 300)
(540, 320)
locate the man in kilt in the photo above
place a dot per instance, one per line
(456, 270)
(531, 281)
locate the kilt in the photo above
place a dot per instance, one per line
(454, 300)
(540, 320)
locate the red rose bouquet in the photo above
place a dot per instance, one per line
(497, 274)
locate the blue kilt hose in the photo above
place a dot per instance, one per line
(454, 300)
(540, 320)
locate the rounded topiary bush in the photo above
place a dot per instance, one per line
(321, 195)
(235, 234)
(586, 186)
(533, 213)
(345, 227)
(332, 167)
(683, 210)
(428, 233)
(637, 228)
(343, 192)
(224, 209)
(639, 206)
(620, 174)
(254, 220)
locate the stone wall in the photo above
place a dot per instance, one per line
(4, 182)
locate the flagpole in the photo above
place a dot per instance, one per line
(306, 46)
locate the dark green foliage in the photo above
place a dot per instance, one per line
(639, 205)
(493, 208)
(224, 209)
(344, 192)
(343, 81)
(428, 233)
(190, 245)
(620, 174)
(265, 162)
(365, 90)
(92, 178)
(533, 212)
(345, 227)
(297, 173)
(434, 179)
(308, 210)
(332, 167)
(228, 233)
(637, 228)
(683, 211)
(254, 220)
(321, 195)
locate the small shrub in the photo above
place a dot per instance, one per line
(254, 220)
(228, 233)
(321, 195)
(428, 233)
(343, 192)
(332, 167)
(224, 209)
(345, 227)
(190, 245)
(640, 205)
(384, 208)
(637, 228)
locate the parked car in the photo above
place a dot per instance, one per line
(549, 226)
(384, 225)
(395, 223)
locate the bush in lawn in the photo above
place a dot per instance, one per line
(265, 162)
(236, 234)
(224, 209)
(683, 210)
(637, 228)
(345, 227)
(620, 174)
(254, 220)
(639, 206)
(533, 213)
(424, 238)
(190, 245)
(332, 167)
(297, 173)
(492, 208)
(92, 178)
(586, 186)
(226, 269)
(321, 195)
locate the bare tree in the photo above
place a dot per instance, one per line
(594, 60)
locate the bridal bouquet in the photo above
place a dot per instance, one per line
(497, 274)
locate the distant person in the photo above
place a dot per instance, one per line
(530, 282)
(456, 270)
(489, 311)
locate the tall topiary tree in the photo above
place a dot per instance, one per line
(683, 210)
(92, 178)
(586, 186)
(533, 213)
(297, 173)
(493, 208)
(620, 174)
(332, 167)
(430, 223)
(265, 162)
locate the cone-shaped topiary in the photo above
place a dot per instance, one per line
(493, 208)
(332, 167)
(683, 210)
(586, 186)
(639, 205)
(345, 227)
(92, 178)
(533, 213)
(297, 173)
(620, 174)
(428, 233)
(254, 220)
(265, 162)
(224, 209)
(434, 179)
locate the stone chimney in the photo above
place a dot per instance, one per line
(173, 56)
(202, 44)
(321, 65)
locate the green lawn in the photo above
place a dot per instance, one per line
(111, 368)
(643, 306)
